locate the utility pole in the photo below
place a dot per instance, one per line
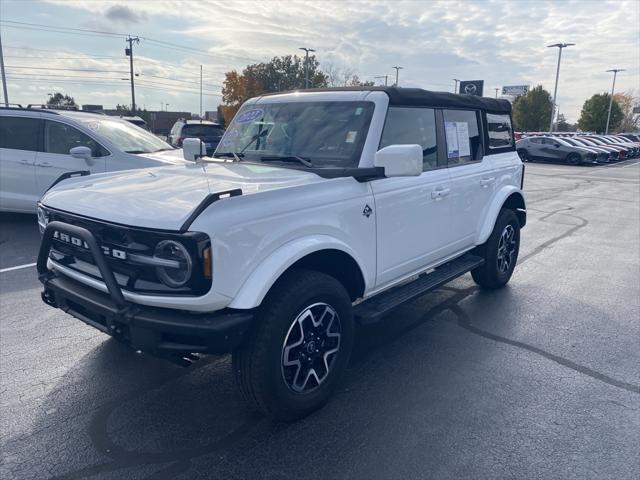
(555, 90)
(397, 70)
(306, 65)
(455, 85)
(129, 52)
(497, 90)
(4, 77)
(200, 92)
(615, 72)
(386, 77)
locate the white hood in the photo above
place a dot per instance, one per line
(169, 157)
(164, 197)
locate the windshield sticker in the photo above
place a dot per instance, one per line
(351, 136)
(249, 115)
(451, 133)
(358, 110)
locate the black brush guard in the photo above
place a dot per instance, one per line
(168, 333)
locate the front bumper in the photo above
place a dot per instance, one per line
(162, 332)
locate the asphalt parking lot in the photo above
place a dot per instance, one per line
(538, 380)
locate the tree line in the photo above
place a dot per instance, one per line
(532, 113)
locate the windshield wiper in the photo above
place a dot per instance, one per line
(236, 156)
(135, 152)
(288, 158)
(257, 136)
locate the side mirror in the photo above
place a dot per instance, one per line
(83, 153)
(400, 160)
(557, 145)
(193, 149)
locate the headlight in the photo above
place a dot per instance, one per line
(43, 218)
(179, 273)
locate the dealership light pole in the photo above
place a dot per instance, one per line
(455, 85)
(497, 90)
(555, 90)
(397, 70)
(615, 72)
(306, 64)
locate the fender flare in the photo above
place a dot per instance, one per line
(258, 284)
(496, 205)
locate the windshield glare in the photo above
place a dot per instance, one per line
(127, 137)
(328, 134)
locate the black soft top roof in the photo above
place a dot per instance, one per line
(399, 96)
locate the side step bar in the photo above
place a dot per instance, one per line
(372, 310)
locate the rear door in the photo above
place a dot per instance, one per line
(55, 159)
(412, 213)
(473, 176)
(20, 139)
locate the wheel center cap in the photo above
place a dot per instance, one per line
(311, 347)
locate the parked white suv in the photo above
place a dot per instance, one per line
(319, 209)
(38, 146)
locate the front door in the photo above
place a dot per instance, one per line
(55, 160)
(412, 213)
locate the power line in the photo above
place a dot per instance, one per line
(33, 67)
(82, 31)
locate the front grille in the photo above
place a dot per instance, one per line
(119, 243)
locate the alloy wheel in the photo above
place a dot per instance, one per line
(311, 347)
(506, 249)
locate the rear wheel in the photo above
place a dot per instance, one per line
(500, 252)
(299, 348)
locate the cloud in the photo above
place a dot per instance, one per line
(124, 14)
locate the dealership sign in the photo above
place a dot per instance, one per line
(471, 87)
(515, 90)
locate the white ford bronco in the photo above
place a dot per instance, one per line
(319, 209)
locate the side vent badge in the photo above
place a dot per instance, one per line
(367, 211)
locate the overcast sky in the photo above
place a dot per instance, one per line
(501, 42)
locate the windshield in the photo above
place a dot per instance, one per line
(324, 134)
(204, 130)
(127, 137)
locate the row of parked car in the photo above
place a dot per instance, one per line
(578, 148)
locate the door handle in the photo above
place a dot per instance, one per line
(440, 192)
(485, 182)
(44, 164)
(25, 162)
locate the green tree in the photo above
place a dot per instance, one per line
(562, 125)
(593, 117)
(532, 112)
(61, 100)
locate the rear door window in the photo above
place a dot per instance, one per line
(20, 133)
(462, 135)
(60, 138)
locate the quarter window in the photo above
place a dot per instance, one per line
(406, 126)
(499, 130)
(60, 138)
(20, 133)
(462, 136)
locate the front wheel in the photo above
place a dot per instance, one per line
(299, 348)
(524, 155)
(573, 159)
(500, 252)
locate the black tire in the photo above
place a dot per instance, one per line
(573, 159)
(493, 274)
(264, 378)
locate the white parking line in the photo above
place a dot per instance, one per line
(19, 267)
